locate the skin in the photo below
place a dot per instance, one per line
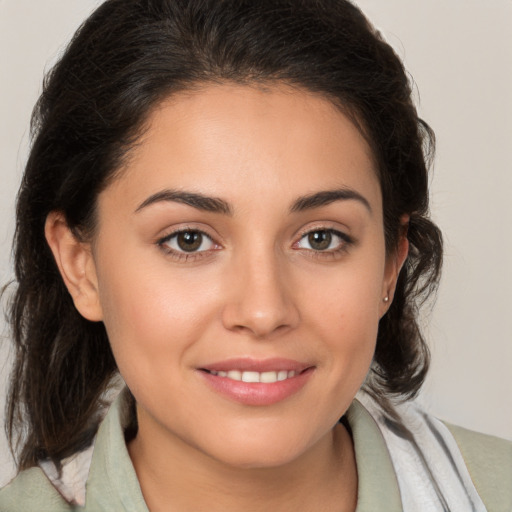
(256, 288)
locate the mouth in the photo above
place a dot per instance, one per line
(268, 377)
(253, 382)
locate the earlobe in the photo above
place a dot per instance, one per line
(394, 265)
(76, 265)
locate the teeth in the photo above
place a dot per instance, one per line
(234, 375)
(263, 377)
(250, 377)
(268, 377)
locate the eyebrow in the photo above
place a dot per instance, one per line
(217, 205)
(199, 201)
(326, 197)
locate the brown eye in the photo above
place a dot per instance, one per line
(189, 241)
(324, 240)
(320, 240)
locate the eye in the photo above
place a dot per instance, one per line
(187, 241)
(324, 240)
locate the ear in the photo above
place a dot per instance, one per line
(394, 263)
(76, 265)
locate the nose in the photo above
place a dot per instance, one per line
(260, 301)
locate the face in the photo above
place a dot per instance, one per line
(240, 271)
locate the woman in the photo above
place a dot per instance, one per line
(226, 203)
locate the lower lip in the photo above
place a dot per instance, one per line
(256, 393)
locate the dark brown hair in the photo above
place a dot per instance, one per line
(128, 56)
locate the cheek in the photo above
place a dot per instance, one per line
(343, 306)
(143, 297)
(348, 298)
(149, 319)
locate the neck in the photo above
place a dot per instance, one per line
(179, 477)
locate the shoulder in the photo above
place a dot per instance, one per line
(489, 462)
(442, 464)
(30, 491)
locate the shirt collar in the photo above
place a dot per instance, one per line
(112, 483)
(377, 484)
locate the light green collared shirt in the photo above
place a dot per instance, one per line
(112, 484)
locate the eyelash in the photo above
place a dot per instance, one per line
(183, 255)
(345, 242)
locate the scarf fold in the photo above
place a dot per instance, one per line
(431, 472)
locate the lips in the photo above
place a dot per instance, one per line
(257, 382)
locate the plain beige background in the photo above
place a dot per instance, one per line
(460, 55)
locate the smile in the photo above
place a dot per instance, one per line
(257, 382)
(268, 377)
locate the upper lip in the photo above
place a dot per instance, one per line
(256, 365)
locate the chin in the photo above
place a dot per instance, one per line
(261, 450)
(272, 457)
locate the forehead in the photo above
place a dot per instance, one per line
(239, 142)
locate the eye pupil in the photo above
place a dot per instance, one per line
(189, 241)
(320, 240)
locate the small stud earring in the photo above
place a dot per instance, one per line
(386, 299)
